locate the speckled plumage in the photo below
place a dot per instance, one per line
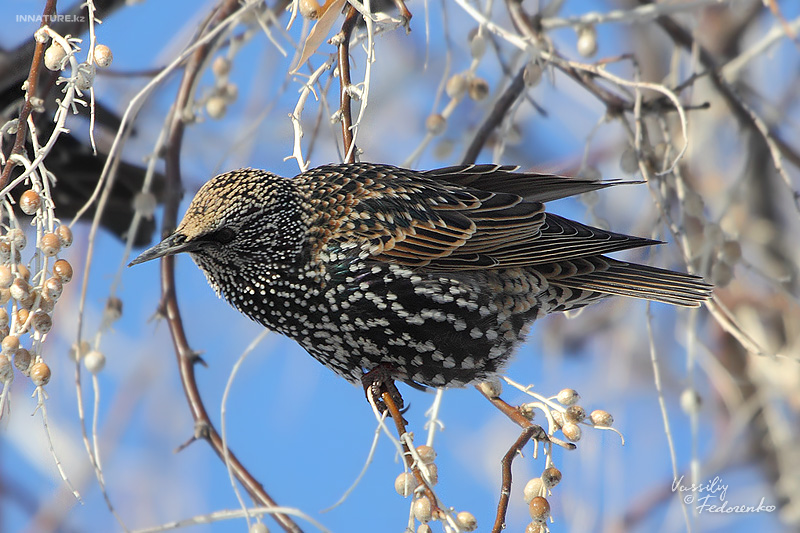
(435, 275)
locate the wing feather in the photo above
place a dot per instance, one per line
(481, 217)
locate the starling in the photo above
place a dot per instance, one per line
(435, 275)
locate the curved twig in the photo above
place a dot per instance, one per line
(505, 490)
(186, 357)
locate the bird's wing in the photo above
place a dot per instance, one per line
(532, 186)
(401, 216)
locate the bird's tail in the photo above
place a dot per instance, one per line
(639, 281)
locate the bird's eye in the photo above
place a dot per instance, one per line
(222, 236)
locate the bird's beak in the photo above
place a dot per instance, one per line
(174, 244)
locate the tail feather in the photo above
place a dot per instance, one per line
(642, 281)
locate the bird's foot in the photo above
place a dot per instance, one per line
(377, 382)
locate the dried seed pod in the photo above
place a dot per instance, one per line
(46, 304)
(84, 76)
(21, 317)
(492, 388)
(259, 527)
(478, 89)
(40, 374)
(23, 272)
(27, 301)
(467, 521)
(17, 238)
(113, 310)
(52, 288)
(103, 56)
(145, 203)
(20, 289)
(532, 74)
(77, 352)
(22, 360)
(690, 401)
(54, 57)
(5, 296)
(30, 201)
(50, 244)
(539, 509)
(63, 270)
(6, 370)
(309, 9)
(426, 453)
(94, 361)
(421, 508)
(568, 397)
(42, 322)
(533, 488)
(6, 277)
(587, 41)
(558, 418)
(3, 317)
(230, 92)
(424, 528)
(575, 413)
(433, 473)
(477, 46)
(572, 431)
(551, 477)
(435, 124)
(9, 345)
(405, 484)
(535, 527)
(456, 86)
(528, 410)
(601, 418)
(216, 107)
(64, 236)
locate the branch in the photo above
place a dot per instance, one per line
(344, 85)
(30, 93)
(186, 357)
(494, 119)
(505, 490)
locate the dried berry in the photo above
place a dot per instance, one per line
(103, 56)
(40, 374)
(29, 202)
(63, 270)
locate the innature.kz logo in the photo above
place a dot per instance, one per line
(49, 19)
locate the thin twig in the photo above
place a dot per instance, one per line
(30, 93)
(348, 139)
(400, 424)
(501, 107)
(517, 417)
(505, 490)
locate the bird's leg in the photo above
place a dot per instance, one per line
(405, 14)
(378, 381)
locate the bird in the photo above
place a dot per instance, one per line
(432, 277)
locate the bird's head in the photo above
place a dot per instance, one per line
(243, 218)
